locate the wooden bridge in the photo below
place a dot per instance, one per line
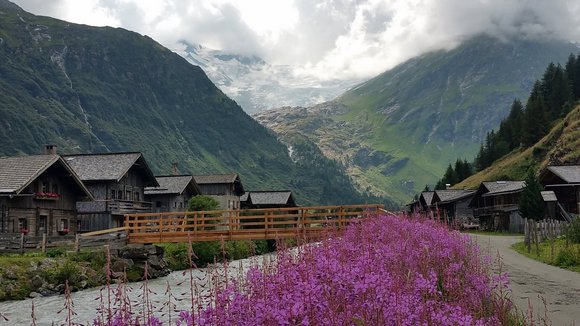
(250, 224)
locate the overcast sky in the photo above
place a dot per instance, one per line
(327, 38)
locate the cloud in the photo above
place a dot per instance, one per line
(328, 39)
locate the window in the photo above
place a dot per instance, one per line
(113, 193)
(137, 196)
(55, 188)
(45, 187)
(120, 194)
(63, 226)
(128, 195)
(22, 224)
(42, 223)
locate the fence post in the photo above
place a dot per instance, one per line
(43, 243)
(22, 243)
(77, 242)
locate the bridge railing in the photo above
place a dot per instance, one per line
(249, 224)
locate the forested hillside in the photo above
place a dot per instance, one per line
(544, 131)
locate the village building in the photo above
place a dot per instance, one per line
(424, 203)
(38, 195)
(564, 181)
(267, 199)
(495, 204)
(226, 189)
(117, 182)
(452, 205)
(172, 194)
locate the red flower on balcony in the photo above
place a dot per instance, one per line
(46, 195)
(24, 230)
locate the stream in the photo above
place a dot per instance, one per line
(49, 310)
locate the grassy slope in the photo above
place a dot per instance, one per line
(560, 146)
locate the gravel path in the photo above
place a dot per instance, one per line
(532, 280)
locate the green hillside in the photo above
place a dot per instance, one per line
(398, 131)
(89, 89)
(561, 146)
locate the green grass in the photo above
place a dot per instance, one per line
(565, 255)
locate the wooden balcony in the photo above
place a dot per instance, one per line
(116, 207)
(490, 210)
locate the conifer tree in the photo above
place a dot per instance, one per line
(535, 118)
(531, 204)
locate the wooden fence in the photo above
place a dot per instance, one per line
(544, 229)
(19, 242)
(250, 224)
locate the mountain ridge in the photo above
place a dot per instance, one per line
(420, 116)
(103, 89)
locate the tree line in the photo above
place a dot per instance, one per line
(551, 98)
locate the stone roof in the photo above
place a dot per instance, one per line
(270, 197)
(450, 195)
(548, 196)
(500, 187)
(173, 184)
(215, 178)
(17, 172)
(568, 173)
(108, 166)
(428, 196)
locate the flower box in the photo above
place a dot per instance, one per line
(46, 196)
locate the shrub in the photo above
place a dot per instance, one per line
(574, 230)
(566, 258)
(55, 252)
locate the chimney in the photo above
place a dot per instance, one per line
(50, 149)
(447, 185)
(174, 169)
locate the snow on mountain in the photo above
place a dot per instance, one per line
(257, 85)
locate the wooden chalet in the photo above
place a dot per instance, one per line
(424, 203)
(117, 182)
(38, 195)
(225, 188)
(267, 199)
(564, 181)
(452, 205)
(495, 205)
(172, 194)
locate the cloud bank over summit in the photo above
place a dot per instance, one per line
(325, 39)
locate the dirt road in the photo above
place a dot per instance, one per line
(531, 280)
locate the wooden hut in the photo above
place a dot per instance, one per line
(225, 188)
(564, 181)
(172, 194)
(117, 182)
(38, 195)
(495, 204)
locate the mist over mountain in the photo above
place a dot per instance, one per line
(398, 131)
(257, 85)
(100, 89)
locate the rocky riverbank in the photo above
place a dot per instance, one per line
(34, 276)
